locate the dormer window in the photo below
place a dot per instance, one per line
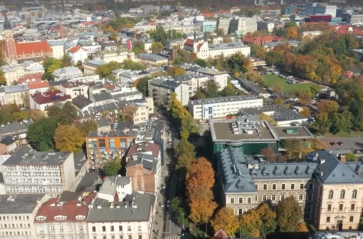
(80, 217)
(60, 218)
(40, 218)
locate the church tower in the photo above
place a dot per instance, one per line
(9, 49)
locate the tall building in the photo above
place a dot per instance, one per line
(9, 49)
(28, 171)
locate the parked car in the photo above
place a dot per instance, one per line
(168, 203)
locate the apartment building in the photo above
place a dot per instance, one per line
(31, 172)
(14, 94)
(161, 90)
(222, 106)
(60, 218)
(17, 214)
(14, 72)
(90, 67)
(67, 73)
(327, 188)
(144, 167)
(44, 100)
(245, 24)
(221, 78)
(151, 59)
(73, 89)
(109, 56)
(57, 47)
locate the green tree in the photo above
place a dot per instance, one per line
(210, 89)
(52, 64)
(67, 114)
(289, 214)
(201, 62)
(159, 35)
(350, 157)
(40, 134)
(87, 126)
(138, 47)
(268, 218)
(105, 71)
(179, 212)
(157, 47)
(142, 85)
(229, 90)
(250, 224)
(66, 60)
(47, 76)
(130, 65)
(111, 168)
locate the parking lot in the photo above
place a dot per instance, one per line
(344, 145)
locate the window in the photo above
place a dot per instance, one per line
(342, 194)
(351, 219)
(301, 186)
(265, 187)
(264, 197)
(256, 186)
(139, 228)
(129, 228)
(328, 219)
(274, 186)
(273, 197)
(329, 207)
(121, 237)
(103, 228)
(140, 236)
(120, 228)
(52, 228)
(301, 196)
(354, 194)
(130, 237)
(112, 228)
(249, 200)
(80, 228)
(232, 200)
(240, 200)
(282, 197)
(340, 207)
(93, 229)
(352, 207)
(283, 186)
(331, 194)
(240, 211)
(292, 186)
(112, 237)
(61, 228)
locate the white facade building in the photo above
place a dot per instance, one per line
(222, 106)
(30, 172)
(78, 53)
(57, 47)
(162, 88)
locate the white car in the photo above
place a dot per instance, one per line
(168, 203)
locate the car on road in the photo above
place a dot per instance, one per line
(168, 203)
(162, 191)
(340, 143)
(161, 204)
(332, 143)
(163, 186)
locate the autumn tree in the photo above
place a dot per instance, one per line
(127, 112)
(111, 168)
(250, 224)
(277, 88)
(185, 154)
(304, 97)
(156, 47)
(105, 71)
(20, 116)
(278, 101)
(40, 134)
(292, 32)
(87, 126)
(305, 112)
(268, 219)
(36, 114)
(199, 183)
(2, 78)
(302, 227)
(226, 220)
(263, 116)
(289, 214)
(268, 153)
(176, 71)
(68, 139)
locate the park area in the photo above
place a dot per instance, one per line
(272, 80)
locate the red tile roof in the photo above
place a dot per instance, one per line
(220, 234)
(146, 147)
(261, 40)
(200, 45)
(75, 49)
(30, 78)
(30, 47)
(49, 97)
(189, 42)
(37, 85)
(70, 209)
(347, 29)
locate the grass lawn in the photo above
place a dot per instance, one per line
(272, 80)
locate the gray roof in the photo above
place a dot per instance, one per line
(151, 57)
(79, 161)
(8, 140)
(330, 170)
(280, 113)
(21, 203)
(224, 99)
(138, 209)
(15, 128)
(102, 96)
(25, 155)
(81, 102)
(250, 86)
(147, 161)
(15, 88)
(110, 183)
(95, 63)
(164, 83)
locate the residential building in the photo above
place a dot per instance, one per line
(161, 90)
(271, 45)
(67, 73)
(223, 24)
(209, 26)
(127, 77)
(44, 100)
(260, 41)
(222, 106)
(38, 87)
(267, 26)
(202, 75)
(17, 214)
(64, 216)
(14, 94)
(28, 171)
(81, 103)
(101, 98)
(109, 145)
(74, 89)
(13, 72)
(80, 166)
(57, 48)
(245, 24)
(319, 9)
(144, 167)
(18, 129)
(36, 77)
(90, 67)
(109, 56)
(8, 144)
(354, 18)
(151, 59)
(78, 54)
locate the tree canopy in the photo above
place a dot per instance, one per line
(111, 168)
(289, 214)
(226, 220)
(68, 139)
(40, 134)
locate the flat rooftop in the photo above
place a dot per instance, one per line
(27, 156)
(299, 132)
(224, 99)
(221, 130)
(276, 112)
(19, 204)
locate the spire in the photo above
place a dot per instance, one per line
(7, 25)
(195, 36)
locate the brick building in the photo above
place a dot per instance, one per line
(260, 41)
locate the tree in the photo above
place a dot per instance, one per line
(66, 60)
(350, 157)
(157, 47)
(277, 88)
(52, 64)
(226, 220)
(142, 85)
(48, 76)
(20, 116)
(292, 32)
(139, 47)
(40, 134)
(289, 214)
(53, 111)
(179, 212)
(263, 116)
(111, 168)
(127, 112)
(87, 126)
(328, 106)
(302, 227)
(278, 101)
(135, 66)
(68, 139)
(268, 154)
(67, 114)
(305, 112)
(268, 218)
(176, 71)
(201, 173)
(304, 97)
(105, 71)
(200, 62)
(36, 114)
(210, 89)
(220, 32)
(2, 78)
(250, 224)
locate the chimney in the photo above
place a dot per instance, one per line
(342, 158)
